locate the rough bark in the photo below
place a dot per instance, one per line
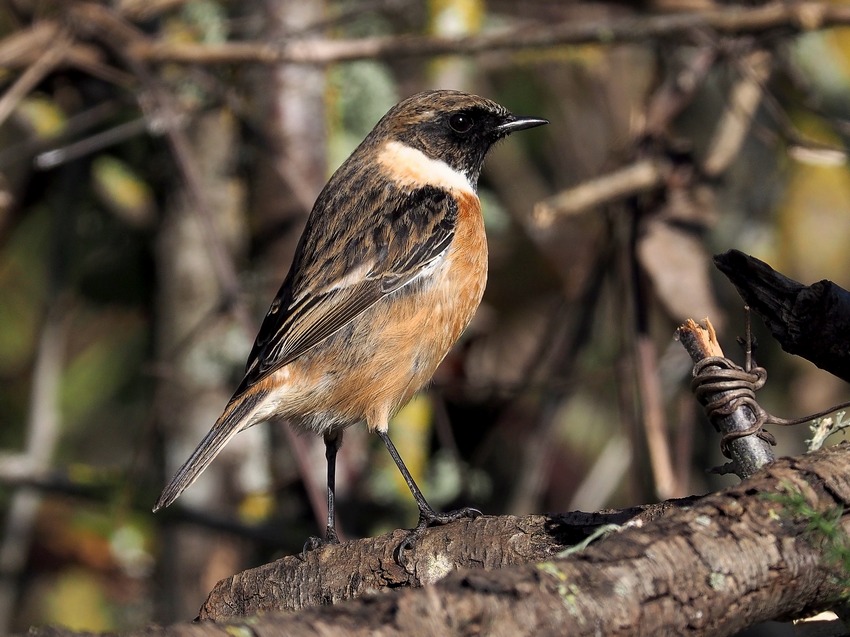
(340, 572)
(732, 559)
(728, 561)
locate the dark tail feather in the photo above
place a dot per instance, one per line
(236, 417)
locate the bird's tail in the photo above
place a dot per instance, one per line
(238, 415)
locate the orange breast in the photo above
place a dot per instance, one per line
(458, 292)
(435, 317)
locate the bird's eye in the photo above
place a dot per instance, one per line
(461, 122)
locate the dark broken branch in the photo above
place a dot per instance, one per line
(811, 321)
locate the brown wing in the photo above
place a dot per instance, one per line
(326, 289)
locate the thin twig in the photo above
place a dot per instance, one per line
(147, 9)
(21, 48)
(24, 47)
(91, 144)
(678, 91)
(744, 99)
(654, 419)
(75, 126)
(639, 177)
(800, 145)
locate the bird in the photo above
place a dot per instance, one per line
(388, 272)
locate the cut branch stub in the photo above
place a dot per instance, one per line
(741, 416)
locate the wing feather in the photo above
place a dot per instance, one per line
(320, 296)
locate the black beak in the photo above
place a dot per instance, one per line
(514, 123)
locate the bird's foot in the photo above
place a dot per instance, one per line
(313, 542)
(429, 517)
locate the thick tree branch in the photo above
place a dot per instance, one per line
(345, 571)
(730, 560)
(796, 16)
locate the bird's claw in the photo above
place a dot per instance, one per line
(313, 542)
(430, 518)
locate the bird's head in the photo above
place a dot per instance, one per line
(454, 127)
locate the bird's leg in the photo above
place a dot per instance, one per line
(333, 441)
(427, 515)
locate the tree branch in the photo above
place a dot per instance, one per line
(797, 17)
(728, 561)
(345, 571)
(640, 176)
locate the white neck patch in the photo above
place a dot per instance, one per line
(411, 167)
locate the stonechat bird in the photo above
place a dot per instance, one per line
(388, 273)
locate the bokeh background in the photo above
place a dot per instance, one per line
(154, 179)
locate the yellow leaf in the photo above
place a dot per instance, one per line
(42, 116)
(256, 507)
(123, 191)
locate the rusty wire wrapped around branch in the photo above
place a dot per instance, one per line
(727, 393)
(722, 387)
(731, 395)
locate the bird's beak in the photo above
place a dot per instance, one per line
(515, 123)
